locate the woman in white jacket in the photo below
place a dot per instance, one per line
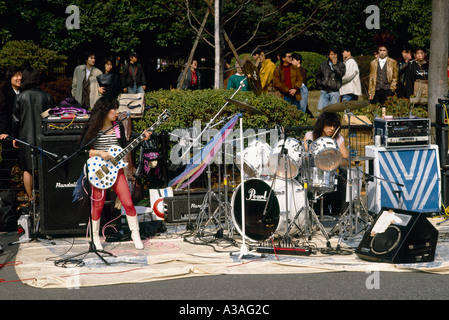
(351, 87)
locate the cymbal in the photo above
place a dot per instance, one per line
(244, 105)
(252, 75)
(344, 105)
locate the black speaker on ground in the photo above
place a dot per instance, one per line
(409, 238)
(58, 214)
(178, 207)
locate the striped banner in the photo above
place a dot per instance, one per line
(200, 161)
(419, 172)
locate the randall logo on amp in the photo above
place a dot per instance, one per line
(65, 185)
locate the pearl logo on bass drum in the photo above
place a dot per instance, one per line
(253, 196)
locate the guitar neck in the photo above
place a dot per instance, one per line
(135, 143)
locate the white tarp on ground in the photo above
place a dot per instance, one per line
(169, 256)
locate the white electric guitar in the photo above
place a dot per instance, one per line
(101, 173)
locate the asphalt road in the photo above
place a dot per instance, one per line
(280, 290)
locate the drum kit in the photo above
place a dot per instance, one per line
(278, 185)
(277, 190)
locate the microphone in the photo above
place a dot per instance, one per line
(127, 115)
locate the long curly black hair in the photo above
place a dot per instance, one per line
(96, 118)
(326, 119)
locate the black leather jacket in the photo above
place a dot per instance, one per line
(329, 79)
(27, 119)
(128, 73)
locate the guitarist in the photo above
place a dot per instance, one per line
(102, 117)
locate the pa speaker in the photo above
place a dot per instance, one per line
(58, 214)
(399, 236)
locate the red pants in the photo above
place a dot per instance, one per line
(121, 188)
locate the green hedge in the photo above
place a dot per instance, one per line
(188, 106)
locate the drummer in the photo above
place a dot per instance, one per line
(328, 125)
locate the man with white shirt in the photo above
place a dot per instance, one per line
(383, 78)
(84, 83)
(351, 87)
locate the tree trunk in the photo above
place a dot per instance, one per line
(438, 87)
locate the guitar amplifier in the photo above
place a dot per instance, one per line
(63, 126)
(402, 132)
(177, 207)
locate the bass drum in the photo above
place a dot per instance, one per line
(265, 207)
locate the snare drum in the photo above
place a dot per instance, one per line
(265, 207)
(255, 159)
(326, 154)
(293, 157)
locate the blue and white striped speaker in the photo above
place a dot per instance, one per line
(405, 178)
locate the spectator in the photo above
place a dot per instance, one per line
(297, 62)
(266, 70)
(329, 79)
(402, 67)
(235, 79)
(8, 95)
(383, 78)
(351, 87)
(416, 75)
(85, 84)
(133, 78)
(193, 78)
(27, 123)
(109, 81)
(287, 79)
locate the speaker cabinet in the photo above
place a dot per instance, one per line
(58, 214)
(178, 207)
(399, 236)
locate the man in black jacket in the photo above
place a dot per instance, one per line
(133, 79)
(329, 80)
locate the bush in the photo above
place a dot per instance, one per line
(25, 52)
(203, 105)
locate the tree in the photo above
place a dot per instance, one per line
(27, 53)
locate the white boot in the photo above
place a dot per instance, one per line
(96, 234)
(133, 225)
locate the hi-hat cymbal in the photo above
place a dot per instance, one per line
(252, 75)
(244, 105)
(344, 105)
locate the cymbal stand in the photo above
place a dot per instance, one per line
(244, 252)
(348, 223)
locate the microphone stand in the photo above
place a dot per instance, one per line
(92, 248)
(36, 217)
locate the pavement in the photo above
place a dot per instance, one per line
(281, 291)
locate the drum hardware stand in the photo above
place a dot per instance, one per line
(207, 127)
(348, 217)
(207, 201)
